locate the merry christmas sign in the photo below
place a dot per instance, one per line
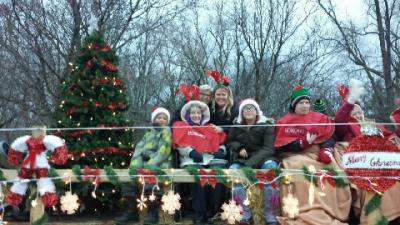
(372, 162)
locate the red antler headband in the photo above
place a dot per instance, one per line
(218, 78)
(189, 92)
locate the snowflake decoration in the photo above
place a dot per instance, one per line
(171, 202)
(152, 197)
(231, 212)
(141, 202)
(34, 203)
(291, 206)
(69, 203)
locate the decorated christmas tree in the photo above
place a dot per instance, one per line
(93, 97)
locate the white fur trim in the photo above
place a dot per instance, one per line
(20, 144)
(203, 107)
(51, 142)
(356, 90)
(45, 185)
(40, 162)
(158, 111)
(249, 101)
(19, 187)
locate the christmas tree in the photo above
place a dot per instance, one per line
(93, 96)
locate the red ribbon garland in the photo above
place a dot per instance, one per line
(109, 66)
(112, 106)
(265, 177)
(207, 177)
(101, 150)
(90, 174)
(148, 176)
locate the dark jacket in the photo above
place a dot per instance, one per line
(220, 119)
(257, 140)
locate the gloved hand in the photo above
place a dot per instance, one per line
(356, 91)
(220, 154)
(197, 157)
(325, 155)
(308, 141)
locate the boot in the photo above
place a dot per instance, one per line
(152, 214)
(130, 215)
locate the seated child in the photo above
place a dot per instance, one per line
(200, 145)
(154, 149)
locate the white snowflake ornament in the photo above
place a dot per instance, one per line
(141, 202)
(170, 202)
(231, 212)
(291, 206)
(69, 203)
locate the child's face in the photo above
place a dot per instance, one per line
(161, 119)
(249, 112)
(195, 114)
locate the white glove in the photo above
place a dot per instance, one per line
(310, 137)
(356, 90)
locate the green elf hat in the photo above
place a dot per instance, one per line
(320, 105)
(298, 93)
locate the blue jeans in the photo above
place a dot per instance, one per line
(271, 195)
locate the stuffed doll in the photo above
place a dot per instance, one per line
(36, 148)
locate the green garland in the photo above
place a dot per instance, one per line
(2, 178)
(373, 204)
(339, 181)
(250, 175)
(383, 221)
(53, 174)
(76, 169)
(111, 175)
(42, 220)
(193, 171)
(160, 174)
(221, 176)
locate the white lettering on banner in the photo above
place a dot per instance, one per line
(294, 130)
(194, 133)
(371, 160)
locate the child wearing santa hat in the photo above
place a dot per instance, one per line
(153, 150)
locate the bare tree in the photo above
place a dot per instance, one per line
(381, 33)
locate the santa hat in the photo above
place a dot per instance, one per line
(298, 93)
(249, 101)
(157, 111)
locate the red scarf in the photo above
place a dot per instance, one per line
(202, 138)
(288, 134)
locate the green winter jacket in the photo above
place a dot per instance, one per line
(154, 149)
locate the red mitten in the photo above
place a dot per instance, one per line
(325, 155)
(59, 156)
(14, 157)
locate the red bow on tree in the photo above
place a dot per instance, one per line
(148, 176)
(266, 177)
(207, 177)
(190, 92)
(90, 174)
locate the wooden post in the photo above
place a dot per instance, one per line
(38, 211)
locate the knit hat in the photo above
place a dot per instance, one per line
(320, 105)
(298, 93)
(157, 111)
(248, 101)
